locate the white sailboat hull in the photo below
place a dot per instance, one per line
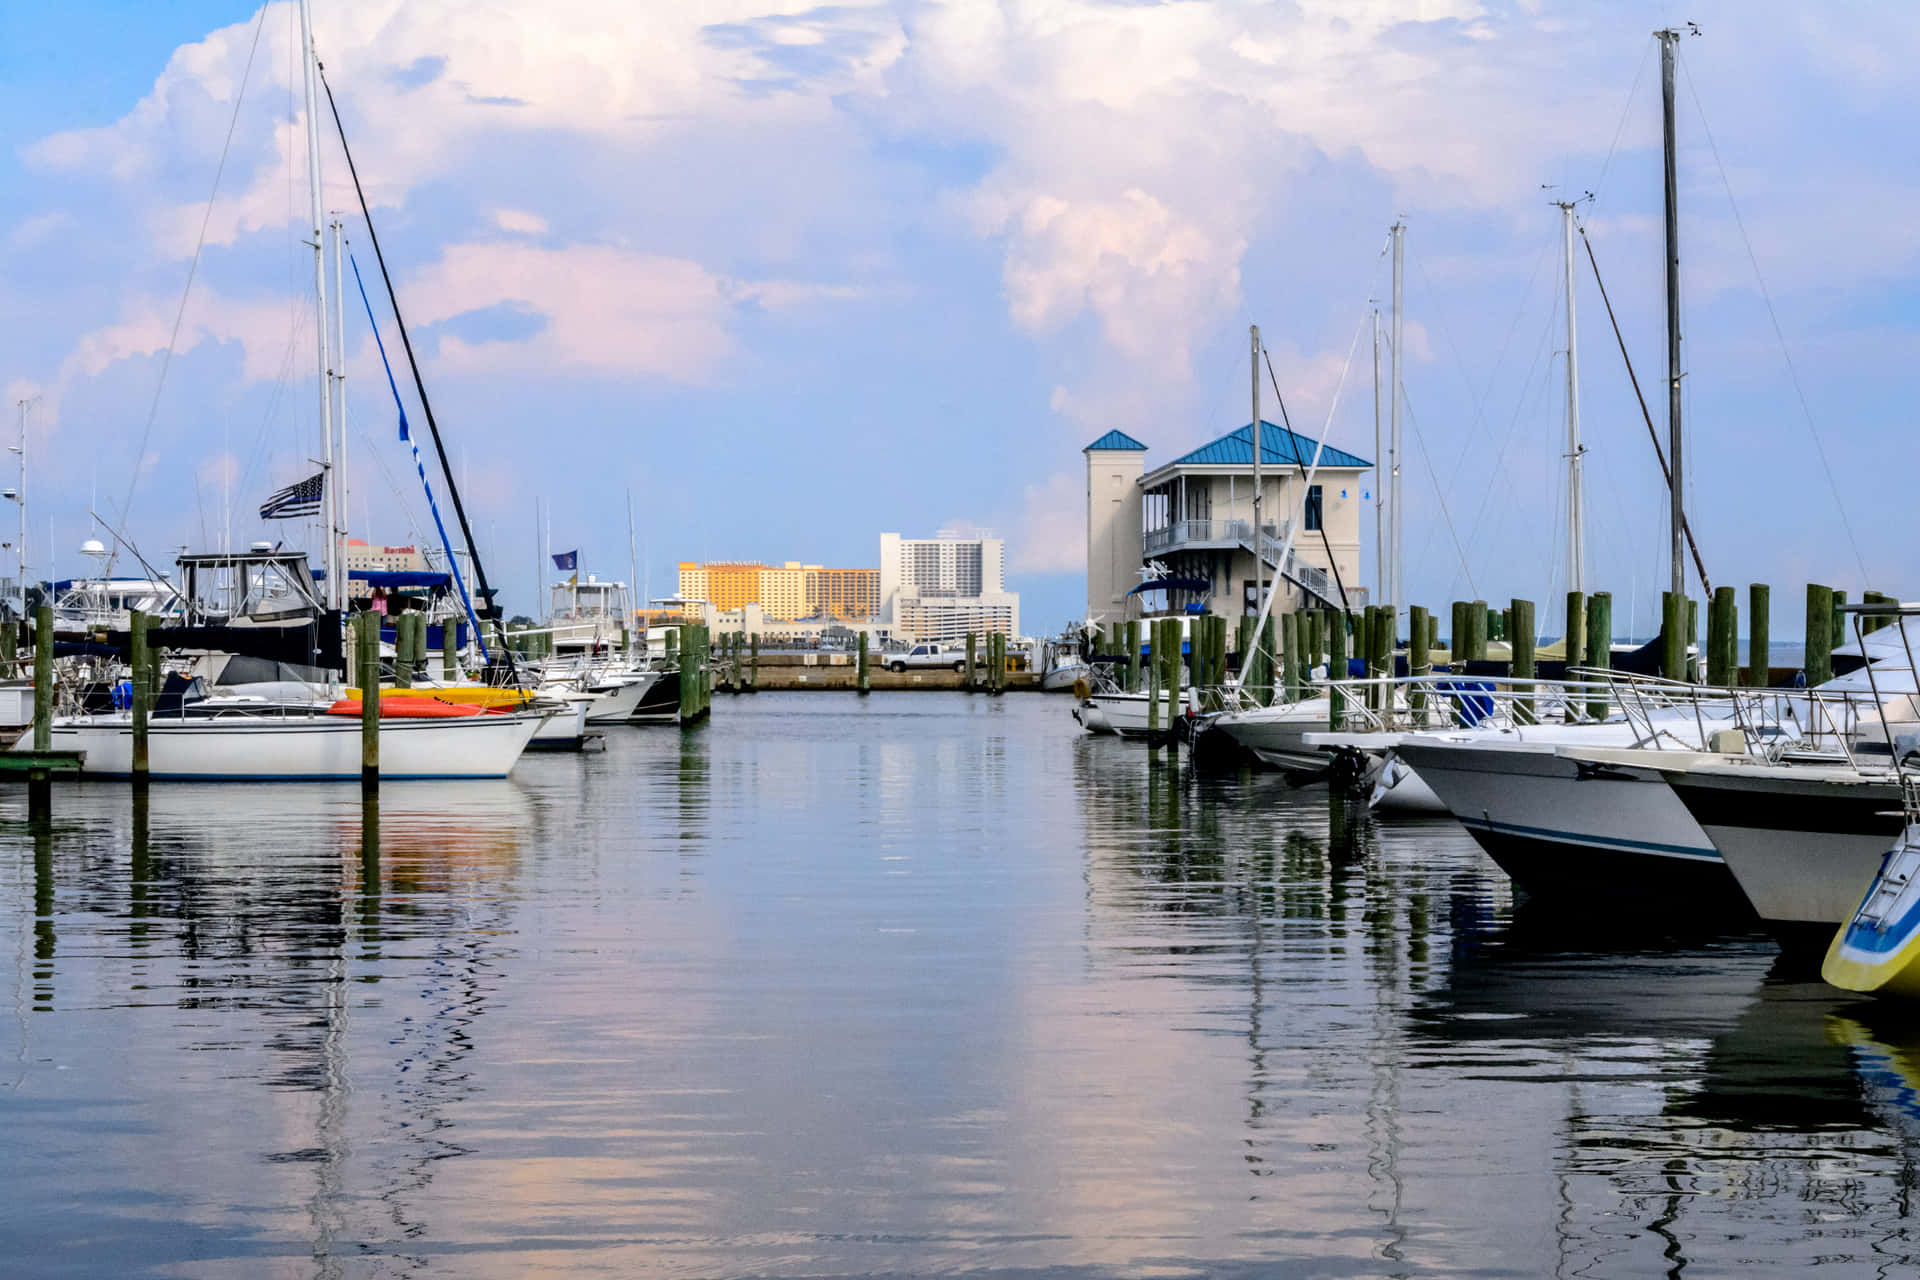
(564, 730)
(298, 747)
(1273, 733)
(615, 704)
(1121, 713)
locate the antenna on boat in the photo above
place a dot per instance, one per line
(1668, 38)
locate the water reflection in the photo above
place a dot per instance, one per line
(889, 986)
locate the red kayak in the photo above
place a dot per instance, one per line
(412, 708)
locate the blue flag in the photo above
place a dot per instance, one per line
(566, 561)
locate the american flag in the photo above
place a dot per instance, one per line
(295, 500)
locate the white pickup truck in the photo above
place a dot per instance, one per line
(924, 656)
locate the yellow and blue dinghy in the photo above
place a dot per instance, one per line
(1878, 950)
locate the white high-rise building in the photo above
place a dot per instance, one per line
(945, 587)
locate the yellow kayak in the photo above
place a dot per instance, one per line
(464, 694)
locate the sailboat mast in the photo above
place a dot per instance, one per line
(1259, 564)
(1379, 490)
(1576, 498)
(1394, 587)
(1676, 457)
(334, 592)
(338, 492)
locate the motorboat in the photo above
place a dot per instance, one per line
(1877, 952)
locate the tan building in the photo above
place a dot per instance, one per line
(788, 592)
(693, 587)
(843, 593)
(783, 591)
(363, 557)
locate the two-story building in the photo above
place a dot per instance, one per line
(1187, 525)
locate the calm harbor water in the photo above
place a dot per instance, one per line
(910, 985)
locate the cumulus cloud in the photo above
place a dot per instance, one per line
(607, 310)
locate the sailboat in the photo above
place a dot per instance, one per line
(310, 733)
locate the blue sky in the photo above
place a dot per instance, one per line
(796, 275)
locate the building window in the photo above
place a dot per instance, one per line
(1314, 508)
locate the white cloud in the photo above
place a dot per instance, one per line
(32, 232)
(520, 222)
(606, 310)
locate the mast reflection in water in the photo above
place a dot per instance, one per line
(889, 986)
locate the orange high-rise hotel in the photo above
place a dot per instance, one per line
(786, 592)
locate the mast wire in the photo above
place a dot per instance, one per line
(1660, 455)
(1793, 374)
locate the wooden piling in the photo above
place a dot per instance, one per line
(972, 639)
(1521, 611)
(450, 649)
(402, 650)
(1419, 657)
(1133, 655)
(1576, 629)
(863, 663)
(1457, 636)
(1720, 625)
(1263, 686)
(1289, 656)
(369, 655)
(1243, 647)
(1599, 646)
(1673, 642)
(1153, 688)
(43, 678)
(1336, 676)
(1170, 678)
(753, 663)
(141, 687)
(1819, 659)
(1693, 639)
(1759, 633)
(1477, 631)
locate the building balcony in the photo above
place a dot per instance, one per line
(1210, 535)
(1217, 535)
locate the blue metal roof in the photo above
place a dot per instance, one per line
(1114, 440)
(1278, 447)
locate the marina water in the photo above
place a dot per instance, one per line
(898, 985)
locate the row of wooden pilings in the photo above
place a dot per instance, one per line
(1312, 637)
